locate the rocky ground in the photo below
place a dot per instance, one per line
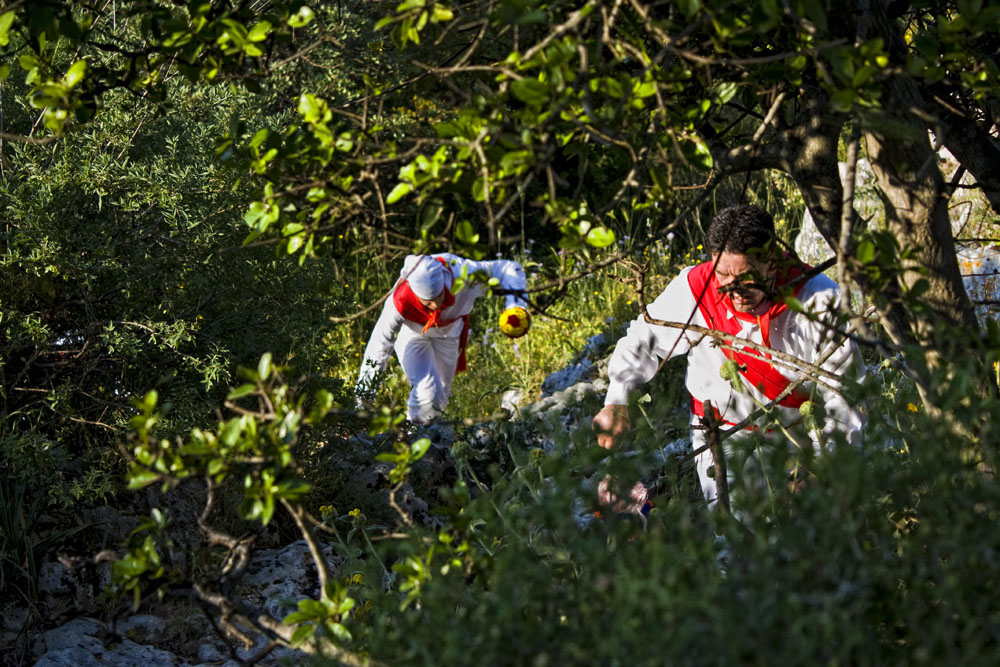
(81, 629)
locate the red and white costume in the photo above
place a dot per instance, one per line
(637, 355)
(430, 345)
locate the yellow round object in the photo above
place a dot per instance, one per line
(515, 322)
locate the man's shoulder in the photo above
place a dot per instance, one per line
(818, 284)
(683, 273)
(819, 293)
(680, 288)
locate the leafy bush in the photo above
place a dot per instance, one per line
(886, 556)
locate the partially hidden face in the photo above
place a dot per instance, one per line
(740, 273)
(432, 304)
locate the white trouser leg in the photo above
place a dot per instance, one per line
(747, 463)
(446, 355)
(429, 364)
(703, 463)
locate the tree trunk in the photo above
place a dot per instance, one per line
(916, 200)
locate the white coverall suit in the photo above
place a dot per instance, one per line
(429, 357)
(637, 357)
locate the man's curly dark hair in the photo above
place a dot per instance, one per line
(742, 229)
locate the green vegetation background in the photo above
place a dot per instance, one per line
(125, 270)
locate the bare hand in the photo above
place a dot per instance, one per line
(611, 423)
(798, 479)
(638, 495)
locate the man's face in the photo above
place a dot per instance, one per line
(432, 304)
(742, 271)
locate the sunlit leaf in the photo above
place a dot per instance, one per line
(75, 73)
(141, 479)
(6, 21)
(241, 391)
(264, 366)
(301, 18)
(398, 192)
(600, 237)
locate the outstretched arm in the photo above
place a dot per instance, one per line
(508, 273)
(379, 347)
(841, 356)
(511, 277)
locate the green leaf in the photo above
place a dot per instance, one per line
(340, 632)
(293, 489)
(919, 288)
(813, 415)
(264, 366)
(420, 447)
(259, 137)
(516, 162)
(296, 617)
(429, 214)
(441, 13)
(6, 21)
(4, 71)
(294, 243)
(301, 18)
(600, 237)
(725, 91)
(731, 371)
(301, 633)
(75, 73)
(479, 190)
(530, 91)
(231, 431)
(696, 152)
(268, 513)
(866, 252)
(47, 94)
(310, 107)
(527, 18)
(314, 608)
(398, 192)
(647, 89)
(241, 391)
(794, 304)
(259, 32)
(256, 211)
(660, 179)
(843, 100)
(345, 142)
(141, 479)
(465, 233)
(689, 7)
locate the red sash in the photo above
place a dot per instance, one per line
(409, 306)
(755, 366)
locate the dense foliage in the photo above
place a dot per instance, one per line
(202, 203)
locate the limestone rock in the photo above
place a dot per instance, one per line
(276, 579)
(85, 642)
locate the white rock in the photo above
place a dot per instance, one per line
(980, 268)
(281, 577)
(146, 627)
(78, 644)
(511, 399)
(80, 632)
